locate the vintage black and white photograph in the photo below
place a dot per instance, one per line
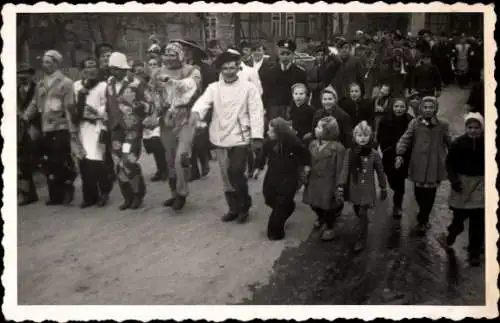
(250, 157)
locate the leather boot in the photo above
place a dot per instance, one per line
(172, 182)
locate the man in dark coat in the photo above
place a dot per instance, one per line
(348, 70)
(28, 137)
(279, 80)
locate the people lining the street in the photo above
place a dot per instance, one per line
(465, 167)
(323, 176)
(357, 182)
(428, 138)
(285, 155)
(181, 102)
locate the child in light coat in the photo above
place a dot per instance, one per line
(321, 192)
(360, 165)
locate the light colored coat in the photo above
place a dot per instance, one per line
(238, 113)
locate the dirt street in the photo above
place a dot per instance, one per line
(153, 256)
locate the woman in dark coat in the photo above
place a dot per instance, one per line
(285, 155)
(357, 107)
(391, 128)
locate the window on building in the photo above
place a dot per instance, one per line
(437, 22)
(290, 25)
(211, 26)
(276, 24)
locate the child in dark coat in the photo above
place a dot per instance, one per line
(391, 128)
(428, 138)
(300, 113)
(285, 155)
(357, 107)
(321, 192)
(360, 165)
(465, 167)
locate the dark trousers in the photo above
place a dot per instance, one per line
(327, 217)
(58, 164)
(425, 197)
(250, 162)
(239, 201)
(94, 179)
(362, 213)
(476, 228)
(200, 153)
(26, 168)
(109, 165)
(281, 211)
(397, 184)
(154, 146)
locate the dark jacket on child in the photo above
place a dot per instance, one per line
(359, 110)
(324, 178)
(301, 118)
(465, 164)
(391, 128)
(285, 156)
(343, 120)
(358, 175)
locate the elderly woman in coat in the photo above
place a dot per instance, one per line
(179, 86)
(54, 99)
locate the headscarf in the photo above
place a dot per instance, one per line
(476, 116)
(284, 132)
(330, 128)
(299, 85)
(176, 48)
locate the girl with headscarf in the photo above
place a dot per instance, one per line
(428, 139)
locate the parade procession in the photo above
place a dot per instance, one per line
(361, 125)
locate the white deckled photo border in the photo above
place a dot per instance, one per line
(10, 307)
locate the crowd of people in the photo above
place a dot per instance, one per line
(367, 107)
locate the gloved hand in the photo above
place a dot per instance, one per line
(399, 162)
(456, 186)
(383, 194)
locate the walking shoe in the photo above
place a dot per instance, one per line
(169, 202)
(228, 217)
(179, 203)
(86, 204)
(397, 213)
(136, 203)
(157, 177)
(242, 217)
(327, 235)
(69, 195)
(103, 200)
(28, 201)
(125, 205)
(205, 170)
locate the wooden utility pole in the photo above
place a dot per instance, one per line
(237, 28)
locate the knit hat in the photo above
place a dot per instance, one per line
(330, 89)
(54, 55)
(176, 48)
(299, 85)
(476, 116)
(330, 128)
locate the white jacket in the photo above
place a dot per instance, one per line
(238, 112)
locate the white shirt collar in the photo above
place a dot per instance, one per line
(285, 67)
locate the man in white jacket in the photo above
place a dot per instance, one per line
(237, 125)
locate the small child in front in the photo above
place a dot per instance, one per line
(360, 164)
(321, 192)
(285, 155)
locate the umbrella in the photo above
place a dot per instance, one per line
(191, 44)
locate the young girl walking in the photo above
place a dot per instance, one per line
(285, 155)
(391, 128)
(428, 138)
(465, 168)
(321, 192)
(360, 164)
(357, 107)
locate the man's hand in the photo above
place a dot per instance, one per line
(308, 136)
(194, 119)
(399, 162)
(256, 173)
(256, 145)
(307, 170)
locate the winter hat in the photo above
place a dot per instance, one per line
(330, 89)
(226, 57)
(299, 85)
(54, 55)
(330, 128)
(118, 60)
(431, 99)
(476, 117)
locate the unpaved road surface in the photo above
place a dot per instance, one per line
(153, 256)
